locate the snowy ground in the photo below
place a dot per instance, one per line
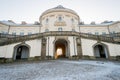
(61, 70)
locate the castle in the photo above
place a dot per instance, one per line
(59, 34)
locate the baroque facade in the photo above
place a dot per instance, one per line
(60, 34)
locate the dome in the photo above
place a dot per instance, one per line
(58, 9)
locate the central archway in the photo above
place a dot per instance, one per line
(61, 49)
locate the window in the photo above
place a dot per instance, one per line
(60, 18)
(59, 29)
(47, 21)
(89, 33)
(96, 33)
(21, 33)
(29, 33)
(110, 32)
(3, 32)
(13, 33)
(46, 30)
(72, 20)
(103, 33)
(113, 32)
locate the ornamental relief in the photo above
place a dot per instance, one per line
(57, 23)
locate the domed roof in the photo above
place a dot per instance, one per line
(58, 9)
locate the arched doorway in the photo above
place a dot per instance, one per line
(61, 49)
(100, 51)
(21, 52)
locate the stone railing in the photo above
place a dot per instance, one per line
(14, 39)
(7, 35)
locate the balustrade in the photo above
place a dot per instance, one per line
(13, 39)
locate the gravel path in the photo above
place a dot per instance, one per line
(61, 70)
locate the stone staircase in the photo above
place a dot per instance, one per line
(6, 39)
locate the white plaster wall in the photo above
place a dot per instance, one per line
(24, 29)
(50, 51)
(9, 50)
(73, 48)
(114, 49)
(35, 49)
(87, 48)
(3, 51)
(93, 29)
(115, 28)
(3, 28)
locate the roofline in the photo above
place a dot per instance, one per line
(4, 23)
(17, 25)
(114, 23)
(21, 25)
(44, 13)
(98, 25)
(59, 11)
(92, 25)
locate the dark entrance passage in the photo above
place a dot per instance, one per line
(100, 51)
(21, 52)
(61, 49)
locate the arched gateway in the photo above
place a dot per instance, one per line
(101, 51)
(21, 52)
(61, 49)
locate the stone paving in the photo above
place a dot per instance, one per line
(61, 70)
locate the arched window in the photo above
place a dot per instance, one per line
(60, 18)
(96, 33)
(59, 29)
(46, 30)
(47, 20)
(13, 33)
(72, 20)
(29, 33)
(21, 33)
(103, 33)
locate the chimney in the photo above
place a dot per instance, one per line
(11, 21)
(23, 23)
(81, 23)
(93, 23)
(36, 23)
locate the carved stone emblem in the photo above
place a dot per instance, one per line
(57, 23)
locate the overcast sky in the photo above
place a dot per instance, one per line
(88, 10)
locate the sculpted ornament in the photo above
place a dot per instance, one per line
(57, 23)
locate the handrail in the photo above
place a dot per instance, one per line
(14, 39)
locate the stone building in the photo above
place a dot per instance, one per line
(59, 34)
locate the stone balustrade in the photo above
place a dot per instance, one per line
(14, 39)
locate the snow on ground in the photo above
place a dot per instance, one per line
(61, 70)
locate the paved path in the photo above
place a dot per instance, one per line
(61, 70)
